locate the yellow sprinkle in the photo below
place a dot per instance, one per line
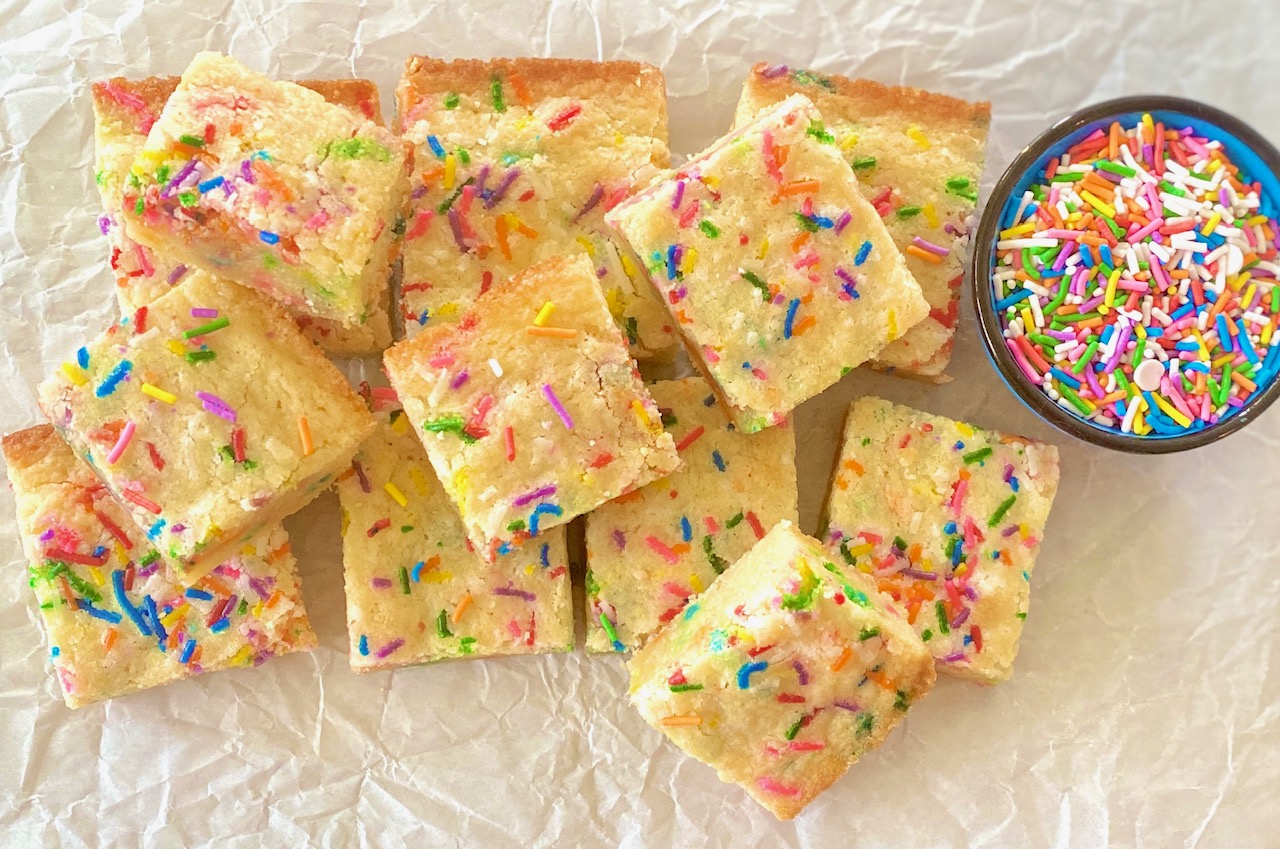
(587, 245)
(641, 413)
(400, 425)
(1240, 280)
(961, 569)
(523, 122)
(158, 393)
(543, 314)
(930, 214)
(690, 258)
(419, 480)
(848, 141)
(617, 303)
(96, 574)
(450, 168)
(764, 248)
(1110, 298)
(435, 576)
(1170, 410)
(859, 550)
(257, 610)
(346, 523)
(1265, 338)
(1141, 331)
(1204, 351)
(448, 309)
(176, 346)
(461, 484)
(1248, 293)
(1147, 122)
(710, 181)
(1213, 165)
(964, 428)
(394, 492)
(918, 137)
(696, 583)
(120, 554)
(243, 657)
(1020, 230)
(618, 139)
(174, 615)
(248, 550)
(865, 567)
(628, 267)
(74, 374)
(893, 324)
(1211, 224)
(1028, 320)
(1255, 220)
(1098, 204)
(1223, 360)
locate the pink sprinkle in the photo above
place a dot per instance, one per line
(144, 261)
(777, 788)
(122, 443)
(663, 550)
(807, 746)
(550, 395)
(203, 312)
(957, 498)
(317, 220)
(930, 246)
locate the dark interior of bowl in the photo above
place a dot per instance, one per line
(1255, 156)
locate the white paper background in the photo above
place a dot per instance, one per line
(1145, 710)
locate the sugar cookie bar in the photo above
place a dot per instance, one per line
(416, 590)
(782, 674)
(208, 416)
(530, 408)
(517, 160)
(650, 550)
(268, 184)
(124, 111)
(780, 274)
(918, 156)
(117, 619)
(947, 519)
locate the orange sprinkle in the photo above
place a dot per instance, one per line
(1239, 378)
(780, 154)
(273, 600)
(503, 244)
(551, 332)
(304, 434)
(211, 583)
(66, 592)
(680, 548)
(461, 608)
(800, 187)
(879, 679)
(855, 467)
(195, 655)
(798, 242)
(108, 639)
(521, 90)
(802, 325)
(691, 719)
(525, 230)
(628, 498)
(842, 659)
(279, 552)
(842, 482)
(921, 253)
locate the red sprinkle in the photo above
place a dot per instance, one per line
(72, 557)
(114, 529)
(140, 320)
(156, 459)
(142, 501)
(690, 438)
(237, 444)
(509, 435)
(790, 698)
(564, 118)
(755, 525)
(380, 525)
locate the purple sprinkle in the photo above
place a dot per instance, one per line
(203, 312)
(970, 593)
(177, 529)
(918, 575)
(214, 404)
(151, 568)
(260, 587)
(176, 274)
(619, 539)
(954, 657)
(540, 492)
(592, 201)
(1008, 472)
(362, 477)
(773, 71)
(960, 618)
(602, 272)
(1009, 531)
(381, 583)
(550, 395)
(802, 674)
(678, 197)
(177, 180)
(48, 535)
(390, 647)
(481, 179)
(419, 192)
(455, 224)
(461, 378)
(104, 224)
(512, 591)
(849, 706)
(246, 171)
(843, 222)
(501, 191)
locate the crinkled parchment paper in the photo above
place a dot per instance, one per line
(1145, 710)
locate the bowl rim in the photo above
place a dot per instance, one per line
(982, 257)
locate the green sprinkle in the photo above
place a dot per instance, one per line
(139, 207)
(206, 329)
(863, 163)
(958, 183)
(1166, 186)
(467, 644)
(633, 330)
(358, 148)
(1067, 177)
(404, 580)
(900, 543)
(1089, 350)
(902, 702)
(926, 635)
(442, 625)
(191, 141)
(685, 688)
(593, 586)
(201, 356)
(1082, 316)
(464, 155)
(803, 599)
(810, 78)
(806, 223)
(149, 558)
(1075, 400)
(243, 607)
(1117, 168)
(495, 91)
(1001, 510)
(1021, 614)
(609, 630)
(866, 722)
(867, 633)
(451, 100)
(188, 199)
(449, 424)
(448, 202)
(710, 229)
(975, 456)
(944, 627)
(517, 525)
(718, 563)
(819, 132)
(908, 212)
(755, 280)
(962, 187)
(845, 553)
(794, 729)
(735, 521)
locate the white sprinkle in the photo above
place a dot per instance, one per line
(495, 368)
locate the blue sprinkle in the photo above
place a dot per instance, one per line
(1086, 256)
(792, 308)
(112, 380)
(545, 555)
(220, 626)
(1155, 331)
(1181, 311)
(1245, 345)
(1224, 335)
(417, 570)
(824, 223)
(709, 401)
(364, 645)
(1184, 345)
(155, 619)
(957, 552)
(82, 357)
(671, 261)
(863, 253)
(504, 548)
(849, 290)
(188, 649)
(117, 583)
(1106, 333)
(422, 319)
(210, 185)
(686, 529)
(1008, 301)
(949, 528)
(749, 669)
(269, 237)
(689, 611)
(1065, 378)
(99, 551)
(1013, 483)
(203, 595)
(959, 446)
(718, 460)
(154, 531)
(995, 555)
(55, 651)
(618, 646)
(436, 147)
(105, 615)
(538, 512)
(1106, 257)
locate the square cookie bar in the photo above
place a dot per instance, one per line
(208, 416)
(650, 550)
(530, 408)
(947, 519)
(416, 590)
(782, 674)
(517, 160)
(117, 619)
(780, 274)
(918, 156)
(123, 113)
(270, 185)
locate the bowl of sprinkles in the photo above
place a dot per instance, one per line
(1127, 274)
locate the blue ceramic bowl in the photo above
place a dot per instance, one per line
(1257, 157)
